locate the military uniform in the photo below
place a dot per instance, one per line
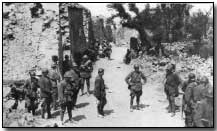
(186, 103)
(135, 86)
(30, 87)
(203, 114)
(46, 95)
(66, 96)
(100, 93)
(85, 73)
(55, 78)
(171, 87)
(75, 80)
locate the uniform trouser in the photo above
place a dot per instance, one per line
(134, 94)
(102, 102)
(46, 102)
(87, 82)
(30, 105)
(54, 97)
(66, 105)
(171, 99)
(188, 119)
(74, 97)
(15, 105)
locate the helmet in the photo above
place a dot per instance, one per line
(170, 67)
(38, 73)
(85, 57)
(136, 66)
(45, 70)
(32, 73)
(67, 75)
(100, 70)
(191, 76)
(66, 56)
(204, 79)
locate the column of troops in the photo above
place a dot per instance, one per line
(197, 102)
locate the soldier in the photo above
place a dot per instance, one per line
(55, 79)
(203, 114)
(108, 50)
(171, 87)
(186, 102)
(46, 95)
(65, 96)
(75, 80)
(99, 92)
(199, 91)
(85, 73)
(66, 64)
(135, 85)
(30, 88)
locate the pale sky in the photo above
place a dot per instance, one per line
(101, 9)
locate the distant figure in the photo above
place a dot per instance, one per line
(135, 85)
(100, 93)
(55, 79)
(171, 87)
(66, 96)
(30, 87)
(86, 69)
(66, 64)
(46, 95)
(127, 58)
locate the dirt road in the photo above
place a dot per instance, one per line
(153, 101)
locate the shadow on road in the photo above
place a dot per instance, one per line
(81, 105)
(108, 112)
(79, 117)
(141, 106)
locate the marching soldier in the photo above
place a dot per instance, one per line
(135, 85)
(85, 73)
(30, 88)
(75, 80)
(66, 64)
(66, 96)
(186, 102)
(46, 95)
(55, 79)
(171, 87)
(100, 93)
(203, 114)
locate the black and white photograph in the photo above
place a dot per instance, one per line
(107, 64)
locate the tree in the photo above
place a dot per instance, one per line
(162, 20)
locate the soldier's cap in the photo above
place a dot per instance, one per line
(169, 67)
(191, 76)
(204, 79)
(38, 73)
(67, 75)
(136, 66)
(85, 57)
(45, 70)
(100, 70)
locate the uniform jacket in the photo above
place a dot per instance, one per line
(203, 116)
(45, 86)
(99, 90)
(31, 87)
(54, 76)
(86, 69)
(134, 80)
(172, 82)
(65, 91)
